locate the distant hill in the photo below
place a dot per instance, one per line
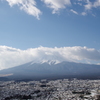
(3, 79)
(53, 70)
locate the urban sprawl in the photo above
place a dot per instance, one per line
(62, 89)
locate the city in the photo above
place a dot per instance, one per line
(61, 89)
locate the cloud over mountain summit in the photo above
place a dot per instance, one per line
(10, 57)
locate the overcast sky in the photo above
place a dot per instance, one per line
(51, 29)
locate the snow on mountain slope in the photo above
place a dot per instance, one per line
(52, 69)
(50, 62)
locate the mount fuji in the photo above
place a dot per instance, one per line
(51, 69)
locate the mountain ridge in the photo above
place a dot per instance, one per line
(52, 70)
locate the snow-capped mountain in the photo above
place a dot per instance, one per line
(50, 62)
(52, 70)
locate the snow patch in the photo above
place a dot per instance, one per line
(50, 62)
